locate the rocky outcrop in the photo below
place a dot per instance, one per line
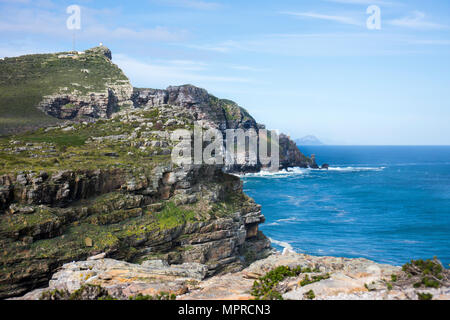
(220, 114)
(290, 155)
(72, 215)
(75, 106)
(320, 278)
(224, 114)
(75, 101)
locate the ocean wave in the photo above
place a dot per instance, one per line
(356, 169)
(281, 173)
(304, 171)
(282, 244)
(285, 221)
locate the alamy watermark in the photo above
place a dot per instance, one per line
(74, 20)
(374, 20)
(234, 147)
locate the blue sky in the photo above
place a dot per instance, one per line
(303, 67)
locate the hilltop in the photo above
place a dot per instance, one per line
(43, 89)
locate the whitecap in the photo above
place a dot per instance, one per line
(305, 171)
(355, 169)
(283, 244)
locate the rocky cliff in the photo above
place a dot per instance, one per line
(39, 90)
(221, 114)
(73, 191)
(100, 179)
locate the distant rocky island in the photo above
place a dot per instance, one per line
(92, 208)
(309, 140)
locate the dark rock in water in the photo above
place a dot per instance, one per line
(314, 165)
(325, 166)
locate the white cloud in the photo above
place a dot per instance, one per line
(158, 33)
(223, 47)
(334, 18)
(366, 2)
(94, 26)
(248, 68)
(364, 43)
(164, 73)
(194, 4)
(417, 20)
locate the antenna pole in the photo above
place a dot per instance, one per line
(73, 40)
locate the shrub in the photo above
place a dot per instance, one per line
(310, 295)
(424, 296)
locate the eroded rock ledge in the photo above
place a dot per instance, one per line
(197, 214)
(354, 279)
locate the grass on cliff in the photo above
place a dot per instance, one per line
(74, 149)
(172, 216)
(25, 80)
(233, 112)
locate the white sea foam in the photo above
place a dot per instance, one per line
(287, 247)
(281, 173)
(304, 171)
(356, 169)
(284, 221)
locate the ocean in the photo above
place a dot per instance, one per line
(388, 204)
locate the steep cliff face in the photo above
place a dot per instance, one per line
(224, 114)
(109, 187)
(221, 114)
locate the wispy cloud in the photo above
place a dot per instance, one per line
(223, 47)
(248, 68)
(337, 44)
(96, 26)
(333, 18)
(165, 73)
(417, 20)
(366, 2)
(432, 42)
(194, 4)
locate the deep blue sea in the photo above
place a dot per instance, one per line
(387, 204)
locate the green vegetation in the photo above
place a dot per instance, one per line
(95, 292)
(85, 292)
(307, 280)
(160, 296)
(310, 295)
(25, 80)
(232, 111)
(172, 216)
(430, 272)
(424, 296)
(56, 149)
(265, 287)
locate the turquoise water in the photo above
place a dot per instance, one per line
(387, 204)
